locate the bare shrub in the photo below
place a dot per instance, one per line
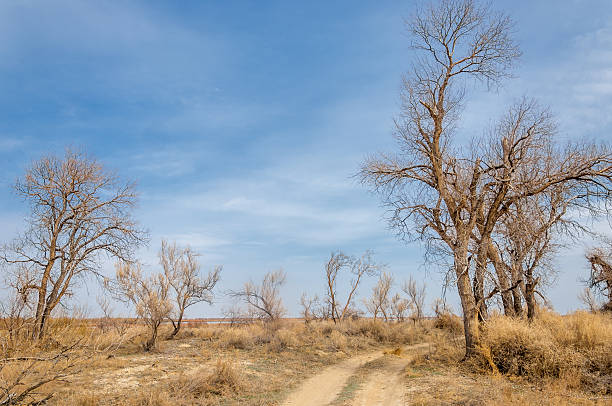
(445, 319)
(379, 302)
(416, 298)
(449, 322)
(182, 271)
(149, 296)
(264, 299)
(225, 378)
(399, 307)
(312, 308)
(358, 268)
(222, 380)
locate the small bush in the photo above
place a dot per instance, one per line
(283, 339)
(449, 322)
(236, 338)
(338, 341)
(224, 379)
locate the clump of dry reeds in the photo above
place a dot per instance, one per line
(224, 378)
(576, 348)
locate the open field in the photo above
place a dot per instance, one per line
(559, 360)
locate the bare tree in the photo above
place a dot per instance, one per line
(78, 212)
(358, 268)
(264, 299)
(600, 278)
(149, 296)
(529, 235)
(380, 302)
(182, 271)
(399, 307)
(455, 195)
(588, 298)
(310, 305)
(416, 298)
(120, 325)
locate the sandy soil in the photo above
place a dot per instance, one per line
(387, 386)
(382, 387)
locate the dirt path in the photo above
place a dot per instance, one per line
(386, 386)
(323, 388)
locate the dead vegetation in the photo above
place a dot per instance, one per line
(30, 366)
(552, 360)
(256, 363)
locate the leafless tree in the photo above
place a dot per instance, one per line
(453, 194)
(588, 298)
(78, 212)
(528, 236)
(600, 278)
(416, 298)
(182, 271)
(379, 301)
(358, 268)
(264, 299)
(399, 307)
(149, 296)
(106, 320)
(310, 305)
(440, 307)
(235, 314)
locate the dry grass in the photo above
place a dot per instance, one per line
(569, 355)
(576, 349)
(555, 360)
(268, 360)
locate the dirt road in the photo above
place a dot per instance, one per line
(382, 387)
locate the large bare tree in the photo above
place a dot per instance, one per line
(454, 194)
(182, 270)
(79, 212)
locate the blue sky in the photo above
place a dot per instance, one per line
(243, 122)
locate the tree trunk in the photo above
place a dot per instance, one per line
(530, 299)
(150, 343)
(177, 326)
(40, 327)
(520, 289)
(518, 302)
(468, 303)
(479, 272)
(530, 287)
(502, 277)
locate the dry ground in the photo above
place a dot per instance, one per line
(361, 362)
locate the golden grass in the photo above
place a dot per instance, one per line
(576, 349)
(557, 353)
(268, 360)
